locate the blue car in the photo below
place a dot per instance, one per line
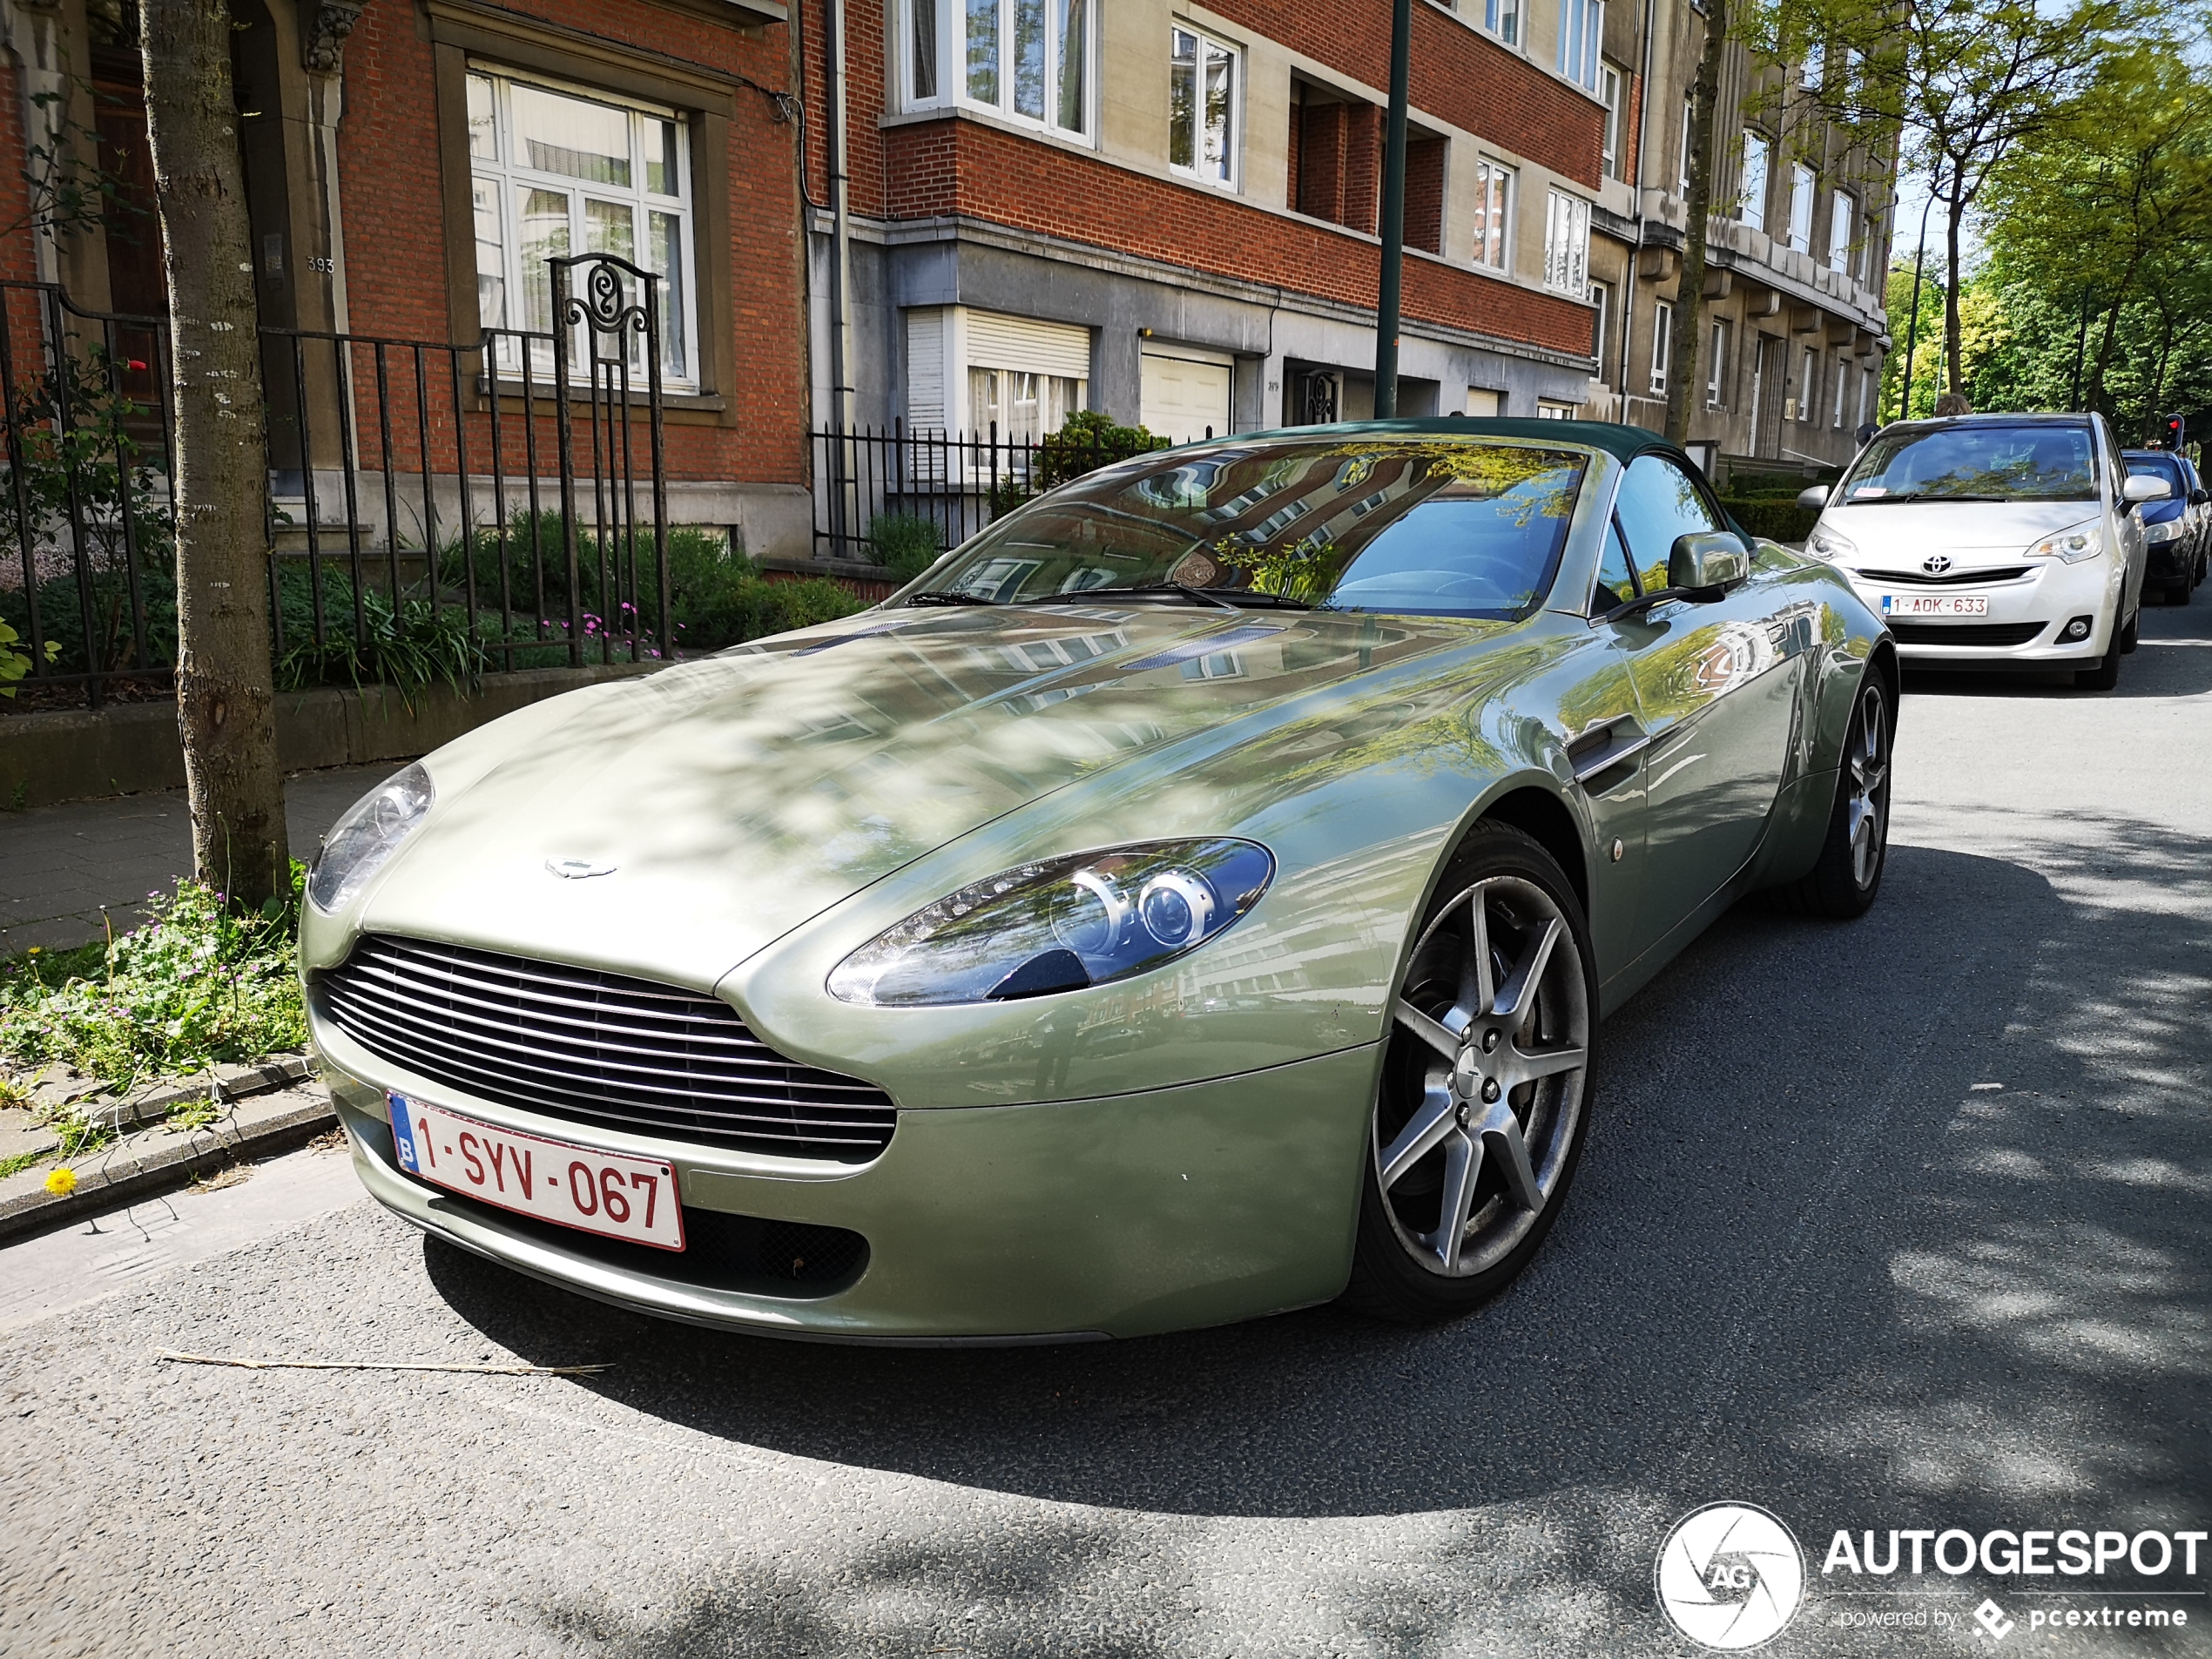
(2174, 554)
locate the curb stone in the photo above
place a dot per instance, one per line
(149, 1160)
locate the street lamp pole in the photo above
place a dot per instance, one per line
(1393, 213)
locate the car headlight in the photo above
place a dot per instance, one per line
(2167, 532)
(1059, 925)
(370, 832)
(1828, 544)
(2083, 540)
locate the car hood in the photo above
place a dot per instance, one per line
(723, 802)
(1884, 532)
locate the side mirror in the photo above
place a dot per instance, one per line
(1713, 562)
(1814, 499)
(2138, 489)
(2200, 497)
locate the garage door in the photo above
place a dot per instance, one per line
(1180, 397)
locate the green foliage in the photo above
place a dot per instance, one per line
(14, 664)
(1086, 441)
(905, 544)
(1778, 519)
(407, 646)
(200, 984)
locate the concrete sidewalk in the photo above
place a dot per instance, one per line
(61, 867)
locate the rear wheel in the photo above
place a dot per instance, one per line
(1478, 1120)
(1843, 884)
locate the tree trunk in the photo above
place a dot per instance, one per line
(225, 700)
(1955, 212)
(1683, 382)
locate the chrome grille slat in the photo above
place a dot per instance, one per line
(403, 1030)
(595, 1047)
(759, 1058)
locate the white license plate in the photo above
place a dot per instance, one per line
(608, 1193)
(1935, 604)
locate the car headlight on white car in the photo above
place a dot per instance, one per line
(1830, 545)
(2082, 541)
(1059, 925)
(369, 834)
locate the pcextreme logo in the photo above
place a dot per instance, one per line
(1731, 1575)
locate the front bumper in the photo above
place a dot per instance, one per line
(1118, 1216)
(2170, 563)
(2046, 598)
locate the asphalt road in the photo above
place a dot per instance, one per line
(1894, 1224)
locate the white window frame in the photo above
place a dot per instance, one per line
(1842, 373)
(1843, 217)
(1809, 387)
(1210, 47)
(1681, 165)
(1608, 93)
(1716, 367)
(1557, 409)
(1811, 71)
(1582, 38)
(509, 179)
(1567, 243)
(1494, 184)
(1663, 345)
(1600, 297)
(1805, 189)
(1504, 19)
(949, 20)
(1751, 188)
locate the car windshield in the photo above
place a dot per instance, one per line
(1441, 526)
(2039, 462)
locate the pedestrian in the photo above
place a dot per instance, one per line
(1951, 403)
(1864, 436)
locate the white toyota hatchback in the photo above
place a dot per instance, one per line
(1994, 541)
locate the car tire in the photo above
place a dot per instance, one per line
(1842, 885)
(1479, 1114)
(2129, 635)
(2104, 676)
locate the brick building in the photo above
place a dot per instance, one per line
(1168, 212)
(410, 164)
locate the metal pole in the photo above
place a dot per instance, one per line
(1393, 213)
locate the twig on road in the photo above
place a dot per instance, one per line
(174, 1357)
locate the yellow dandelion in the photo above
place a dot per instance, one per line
(62, 1182)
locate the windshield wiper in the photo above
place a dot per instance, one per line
(950, 599)
(1227, 598)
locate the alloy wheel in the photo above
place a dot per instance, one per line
(1483, 1089)
(1868, 759)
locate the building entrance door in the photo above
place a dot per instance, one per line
(1770, 378)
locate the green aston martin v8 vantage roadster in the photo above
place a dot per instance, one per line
(1196, 896)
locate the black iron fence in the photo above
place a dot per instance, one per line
(898, 497)
(434, 510)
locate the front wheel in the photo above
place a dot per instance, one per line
(1478, 1120)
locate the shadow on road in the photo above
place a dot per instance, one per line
(2174, 659)
(1808, 1262)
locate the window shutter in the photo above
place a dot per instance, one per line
(995, 340)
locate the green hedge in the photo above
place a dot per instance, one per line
(1776, 517)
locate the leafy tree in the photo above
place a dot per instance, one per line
(1965, 84)
(1689, 314)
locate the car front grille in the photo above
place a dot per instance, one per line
(1949, 578)
(597, 1049)
(1965, 633)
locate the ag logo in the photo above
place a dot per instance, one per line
(1731, 1575)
